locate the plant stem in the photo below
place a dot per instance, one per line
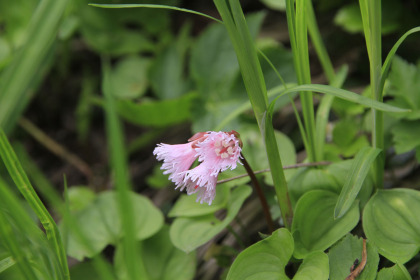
(371, 16)
(297, 165)
(296, 21)
(260, 193)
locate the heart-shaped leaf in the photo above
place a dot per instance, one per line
(314, 266)
(265, 259)
(314, 227)
(101, 224)
(391, 221)
(187, 233)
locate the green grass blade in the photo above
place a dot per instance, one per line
(323, 112)
(391, 54)
(6, 234)
(152, 6)
(119, 167)
(22, 182)
(234, 21)
(18, 76)
(372, 23)
(358, 172)
(247, 106)
(343, 94)
(318, 43)
(6, 263)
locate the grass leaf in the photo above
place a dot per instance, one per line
(359, 170)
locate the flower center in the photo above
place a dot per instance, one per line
(224, 149)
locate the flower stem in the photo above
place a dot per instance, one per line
(260, 193)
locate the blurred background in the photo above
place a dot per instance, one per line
(175, 74)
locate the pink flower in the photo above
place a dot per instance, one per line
(215, 151)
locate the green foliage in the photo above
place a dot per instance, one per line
(177, 265)
(343, 255)
(314, 266)
(349, 18)
(187, 233)
(398, 271)
(314, 227)
(265, 259)
(101, 224)
(404, 88)
(391, 222)
(354, 181)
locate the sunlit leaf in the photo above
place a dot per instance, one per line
(314, 227)
(265, 259)
(392, 223)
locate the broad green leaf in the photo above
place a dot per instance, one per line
(165, 262)
(308, 179)
(344, 254)
(392, 223)
(129, 77)
(406, 136)
(15, 19)
(344, 94)
(404, 87)
(265, 259)
(346, 141)
(160, 259)
(157, 113)
(216, 75)
(188, 233)
(80, 197)
(278, 5)
(396, 272)
(349, 17)
(255, 144)
(166, 74)
(314, 227)
(86, 271)
(355, 178)
(101, 224)
(187, 205)
(314, 266)
(107, 31)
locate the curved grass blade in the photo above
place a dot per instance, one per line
(358, 172)
(391, 54)
(22, 182)
(152, 6)
(6, 263)
(343, 94)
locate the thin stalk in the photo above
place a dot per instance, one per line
(120, 170)
(23, 184)
(297, 24)
(235, 23)
(56, 148)
(297, 165)
(318, 43)
(371, 16)
(260, 193)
